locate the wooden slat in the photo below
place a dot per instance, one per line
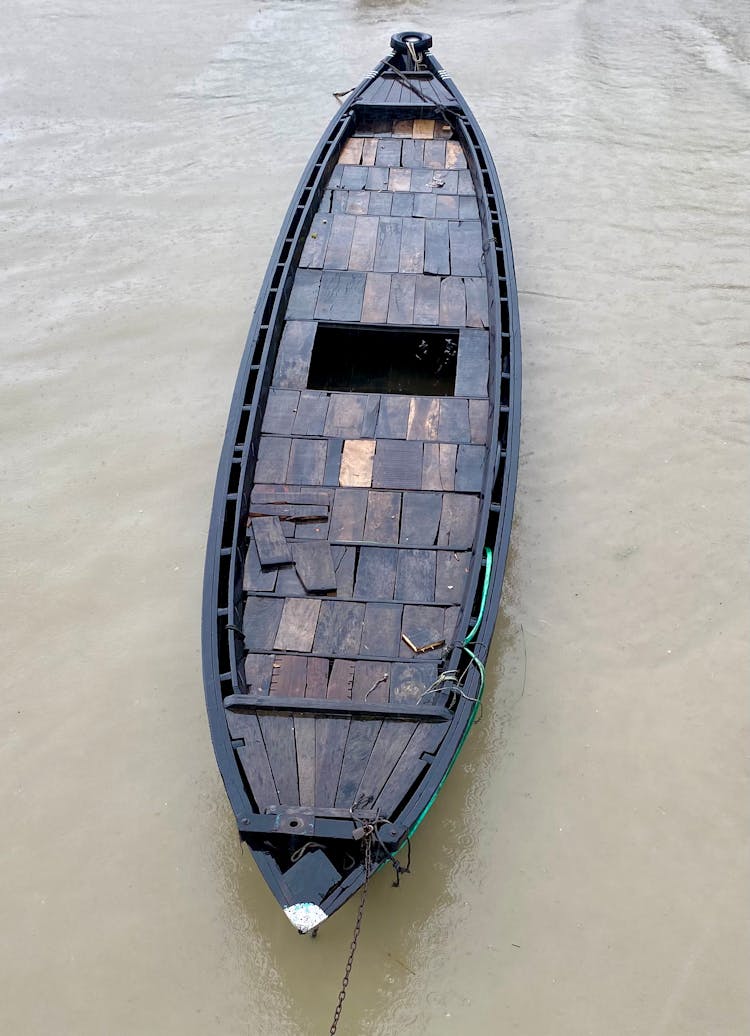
(435, 181)
(314, 565)
(412, 154)
(423, 625)
(340, 298)
(255, 577)
(369, 150)
(354, 178)
(339, 628)
(346, 412)
(446, 207)
(434, 154)
(357, 204)
(427, 300)
(381, 632)
(340, 242)
(316, 682)
(270, 541)
(376, 573)
(466, 249)
(453, 424)
(420, 518)
(278, 736)
(399, 179)
(465, 183)
(356, 462)
(298, 622)
(409, 680)
(388, 244)
(393, 417)
(470, 465)
(412, 254)
(366, 676)
(301, 305)
(288, 675)
(476, 301)
(450, 576)
(392, 740)
(377, 292)
(278, 493)
(403, 127)
(310, 416)
(415, 577)
(362, 255)
(347, 520)
(448, 464)
(295, 350)
(438, 472)
(288, 583)
(304, 738)
(351, 152)
(467, 207)
(436, 246)
(403, 203)
(424, 413)
(370, 418)
(281, 407)
(478, 420)
(449, 629)
(380, 202)
(401, 301)
(424, 206)
(472, 364)
(333, 461)
(341, 679)
(398, 465)
(344, 566)
(452, 304)
(389, 152)
(458, 521)
(314, 251)
(253, 758)
(307, 461)
(377, 179)
(258, 673)
(339, 201)
(359, 745)
(425, 739)
(454, 155)
(383, 516)
(273, 458)
(330, 741)
(424, 129)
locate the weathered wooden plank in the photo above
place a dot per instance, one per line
(316, 680)
(452, 304)
(253, 758)
(351, 152)
(346, 412)
(383, 516)
(467, 207)
(297, 627)
(424, 129)
(301, 305)
(278, 735)
(389, 152)
(376, 573)
(314, 565)
(339, 628)
(345, 571)
(347, 520)
(479, 420)
(260, 622)
(356, 462)
(310, 416)
(401, 301)
(304, 737)
(453, 424)
(399, 179)
(370, 418)
(392, 740)
(377, 179)
(436, 246)
(380, 202)
(340, 298)
(425, 739)
(448, 466)
(427, 300)
(341, 679)
(434, 154)
(369, 150)
(333, 461)
(465, 183)
(377, 292)
(330, 741)
(354, 177)
(398, 465)
(449, 629)
(470, 465)
(472, 363)
(357, 204)
(258, 673)
(371, 681)
(339, 200)
(388, 244)
(281, 407)
(424, 206)
(458, 521)
(446, 207)
(415, 576)
(359, 745)
(275, 493)
(288, 583)
(438, 471)
(403, 127)
(424, 413)
(295, 351)
(393, 417)
(314, 251)
(454, 155)
(420, 518)
(466, 249)
(381, 632)
(409, 680)
(340, 242)
(437, 181)
(423, 625)
(255, 577)
(362, 255)
(412, 254)
(270, 541)
(450, 576)
(289, 512)
(403, 203)
(476, 301)
(288, 674)
(307, 461)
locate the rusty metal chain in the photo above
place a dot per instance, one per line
(368, 832)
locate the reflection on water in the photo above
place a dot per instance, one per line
(580, 865)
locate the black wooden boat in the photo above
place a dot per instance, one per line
(365, 491)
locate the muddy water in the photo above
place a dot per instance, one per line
(585, 869)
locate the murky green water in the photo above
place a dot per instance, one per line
(585, 868)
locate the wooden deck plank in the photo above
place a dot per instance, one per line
(383, 517)
(314, 564)
(458, 521)
(420, 518)
(453, 305)
(476, 301)
(341, 679)
(446, 207)
(356, 462)
(255, 577)
(370, 417)
(357, 204)
(412, 254)
(431, 477)
(401, 300)
(307, 461)
(399, 179)
(258, 673)
(362, 255)
(402, 204)
(340, 298)
(425, 739)
(295, 351)
(412, 154)
(314, 250)
(423, 625)
(345, 571)
(388, 244)
(278, 736)
(448, 465)
(351, 152)
(470, 465)
(253, 758)
(333, 461)
(436, 247)
(472, 363)
(354, 177)
(270, 541)
(376, 573)
(393, 417)
(427, 300)
(346, 413)
(435, 181)
(339, 628)
(316, 681)
(276, 493)
(359, 745)
(281, 407)
(310, 415)
(377, 179)
(299, 619)
(389, 152)
(434, 154)
(391, 742)
(415, 577)
(369, 150)
(454, 155)
(479, 419)
(403, 127)
(330, 741)
(409, 680)
(304, 738)
(467, 207)
(424, 129)
(453, 423)
(466, 249)
(347, 520)
(377, 292)
(288, 583)
(398, 465)
(465, 182)
(380, 203)
(424, 413)
(339, 200)
(371, 681)
(451, 573)
(381, 632)
(288, 675)
(424, 206)
(304, 295)
(340, 242)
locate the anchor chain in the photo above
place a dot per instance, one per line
(368, 830)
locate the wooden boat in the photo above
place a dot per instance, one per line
(365, 491)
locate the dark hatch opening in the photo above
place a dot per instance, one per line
(384, 359)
